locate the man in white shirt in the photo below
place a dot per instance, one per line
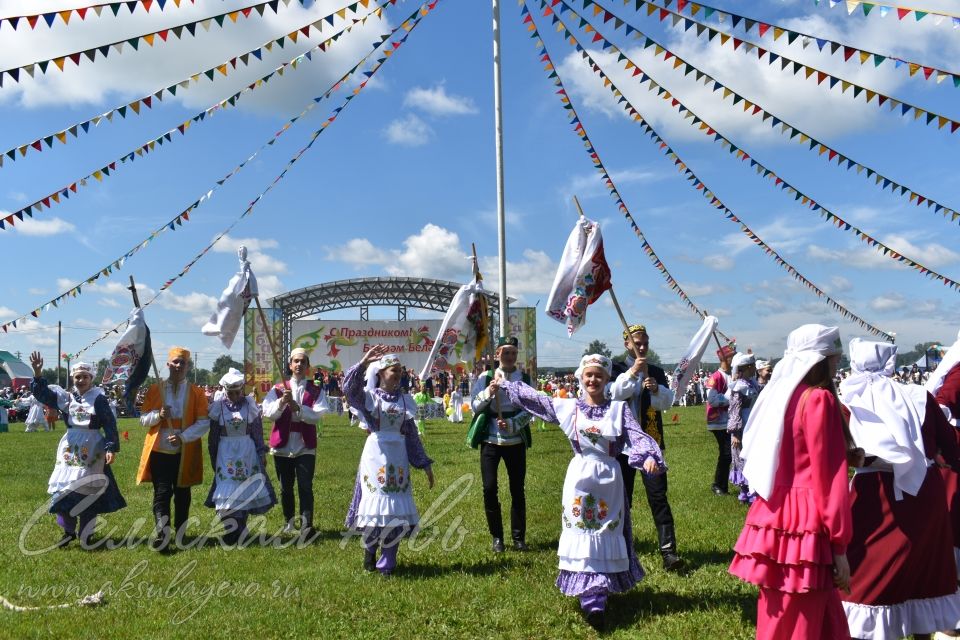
(295, 407)
(645, 389)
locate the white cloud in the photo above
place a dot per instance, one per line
(434, 252)
(194, 303)
(438, 102)
(719, 262)
(930, 254)
(531, 276)
(260, 261)
(357, 252)
(887, 302)
(136, 73)
(409, 131)
(50, 227)
(35, 291)
(839, 284)
(109, 302)
(6, 313)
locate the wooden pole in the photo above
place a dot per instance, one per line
(273, 349)
(153, 361)
(476, 274)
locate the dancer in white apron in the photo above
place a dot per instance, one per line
(82, 484)
(239, 456)
(596, 540)
(382, 509)
(36, 417)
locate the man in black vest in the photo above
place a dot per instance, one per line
(502, 431)
(645, 389)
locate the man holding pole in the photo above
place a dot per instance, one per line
(645, 389)
(175, 412)
(502, 431)
(295, 406)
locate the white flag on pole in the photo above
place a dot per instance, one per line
(691, 358)
(233, 303)
(582, 277)
(464, 331)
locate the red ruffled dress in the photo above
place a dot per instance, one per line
(903, 578)
(949, 396)
(787, 543)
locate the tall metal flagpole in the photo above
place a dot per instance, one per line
(498, 130)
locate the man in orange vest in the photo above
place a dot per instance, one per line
(175, 412)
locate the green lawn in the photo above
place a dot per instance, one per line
(450, 586)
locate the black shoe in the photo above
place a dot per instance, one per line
(718, 490)
(520, 545)
(370, 560)
(597, 620)
(672, 562)
(498, 545)
(161, 544)
(66, 539)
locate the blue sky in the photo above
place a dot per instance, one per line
(403, 181)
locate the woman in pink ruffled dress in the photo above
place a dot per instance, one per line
(793, 544)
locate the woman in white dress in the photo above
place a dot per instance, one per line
(239, 455)
(382, 509)
(596, 541)
(82, 484)
(36, 416)
(456, 405)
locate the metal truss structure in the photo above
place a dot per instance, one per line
(402, 293)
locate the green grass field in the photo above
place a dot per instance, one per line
(450, 585)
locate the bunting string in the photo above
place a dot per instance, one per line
(408, 25)
(184, 216)
(223, 69)
(884, 9)
(527, 18)
(149, 38)
(777, 123)
(741, 154)
(850, 53)
(658, 264)
(105, 171)
(791, 66)
(80, 13)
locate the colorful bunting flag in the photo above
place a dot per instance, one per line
(714, 134)
(554, 76)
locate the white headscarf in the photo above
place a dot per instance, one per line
(950, 360)
(232, 379)
(593, 360)
(741, 360)
(885, 416)
(806, 346)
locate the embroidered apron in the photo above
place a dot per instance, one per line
(240, 483)
(80, 454)
(591, 538)
(386, 495)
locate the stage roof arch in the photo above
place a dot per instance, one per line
(363, 293)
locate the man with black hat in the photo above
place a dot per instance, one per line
(645, 389)
(502, 431)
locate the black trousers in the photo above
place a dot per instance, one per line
(164, 468)
(300, 470)
(515, 459)
(724, 458)
(656, 488)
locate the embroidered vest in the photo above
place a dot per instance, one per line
(285, 424)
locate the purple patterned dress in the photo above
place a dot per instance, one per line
(382, 507)
(596, 541)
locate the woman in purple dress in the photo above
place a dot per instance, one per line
(596, 541)
(382, 509)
